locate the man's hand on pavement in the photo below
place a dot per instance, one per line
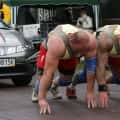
(44, 107)
(103, 99)
(91, 101)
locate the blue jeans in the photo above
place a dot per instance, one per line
(36, 86)
(81, 79)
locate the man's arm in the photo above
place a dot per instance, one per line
(102, 58)
(90, 73)
(90, 66)
(45, 82)
(46, 79)
(104, 48)
(55, 50)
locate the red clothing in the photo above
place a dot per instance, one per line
(114, 63)
(65, 65)
(41, 57)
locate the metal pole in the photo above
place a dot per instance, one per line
(96, 13)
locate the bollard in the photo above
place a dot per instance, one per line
(71, 93)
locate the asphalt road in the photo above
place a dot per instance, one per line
(15, 104)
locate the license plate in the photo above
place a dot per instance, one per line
(7, 62)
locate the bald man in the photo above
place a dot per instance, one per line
(66, 41)
(108, 47)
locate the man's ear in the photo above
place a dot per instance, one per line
(70, 36)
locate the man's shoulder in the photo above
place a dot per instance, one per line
(56, 46)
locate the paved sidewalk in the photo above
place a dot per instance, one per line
(15, 104)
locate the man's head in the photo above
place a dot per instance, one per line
(78, 41)
(83, 11)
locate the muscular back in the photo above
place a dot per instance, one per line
(108, 44)
(107, 39)
(62, 31)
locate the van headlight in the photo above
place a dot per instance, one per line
(15, 49)
(10, 50)
(20, 48)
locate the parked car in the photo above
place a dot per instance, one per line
(15, 52)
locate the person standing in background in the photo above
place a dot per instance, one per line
(84, 21)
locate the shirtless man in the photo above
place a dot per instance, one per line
(62, 77)
(108, 38)
(64, 42)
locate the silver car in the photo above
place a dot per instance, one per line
(15, 53)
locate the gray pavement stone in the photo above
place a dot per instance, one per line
(15, 104)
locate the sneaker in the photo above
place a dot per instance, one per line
(54, 91)
(34, 97)
(71, 93)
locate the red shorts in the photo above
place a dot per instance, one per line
(66, 66)
(114, 63)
